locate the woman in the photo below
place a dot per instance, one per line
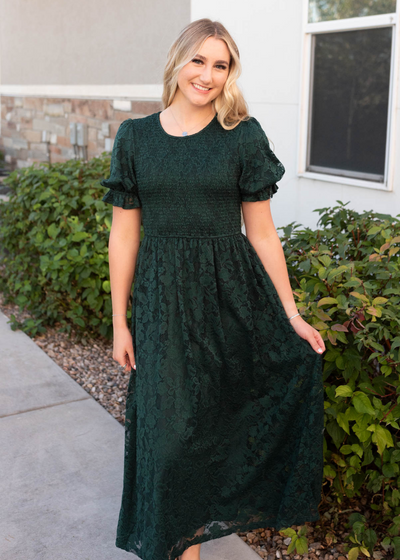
(224, 412)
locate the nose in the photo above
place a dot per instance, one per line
(205, 75)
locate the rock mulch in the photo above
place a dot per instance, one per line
(269, 544)
(89, 362)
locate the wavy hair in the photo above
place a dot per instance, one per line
(230, 104)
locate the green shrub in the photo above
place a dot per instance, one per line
(54, 233)
(345, 275)
(346, 280)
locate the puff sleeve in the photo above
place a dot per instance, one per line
(260, 168)
(122, 185)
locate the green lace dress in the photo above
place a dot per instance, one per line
(224, 412)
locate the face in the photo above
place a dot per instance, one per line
(209, 69)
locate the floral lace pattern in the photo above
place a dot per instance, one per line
(224, 412)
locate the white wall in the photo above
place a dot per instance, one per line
(269, 34)
(85, 42)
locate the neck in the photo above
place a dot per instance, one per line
(187, 113)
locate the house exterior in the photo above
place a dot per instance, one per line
(320, 75)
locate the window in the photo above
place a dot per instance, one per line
(326, 10)
(350, 51)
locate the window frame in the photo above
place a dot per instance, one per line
(310, 30)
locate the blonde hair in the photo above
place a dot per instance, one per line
(230, 104)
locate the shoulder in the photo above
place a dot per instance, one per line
(131, 129)
(142, 123)
(123, 131)
(250, 136)
(137, 128)
(130, 125)
(251, 126)
(249, 130)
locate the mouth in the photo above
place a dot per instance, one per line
(200, 89)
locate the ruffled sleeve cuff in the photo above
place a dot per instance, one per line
(264, 193)
(123, 189)
(122, 199)
(260, 168)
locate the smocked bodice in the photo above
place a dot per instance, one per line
(191, 186)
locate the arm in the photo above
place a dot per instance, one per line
(262, 234)
(123, 249)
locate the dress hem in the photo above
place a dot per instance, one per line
(229, 531)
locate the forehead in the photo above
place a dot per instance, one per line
(213, 49)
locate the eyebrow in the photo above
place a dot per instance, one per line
(216, 62)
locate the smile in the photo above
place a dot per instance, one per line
(200, 88)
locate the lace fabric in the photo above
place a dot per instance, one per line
(224, 412)
(122, 181)
(261, 169)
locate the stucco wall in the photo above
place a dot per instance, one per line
(87, 41)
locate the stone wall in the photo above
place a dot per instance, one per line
(24, 118)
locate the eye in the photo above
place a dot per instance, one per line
(221, 66)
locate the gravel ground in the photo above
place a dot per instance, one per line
(89, 362)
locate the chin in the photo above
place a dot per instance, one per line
(199, 100)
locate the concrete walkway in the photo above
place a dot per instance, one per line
(61, 465)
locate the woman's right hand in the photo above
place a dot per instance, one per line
(123, 347)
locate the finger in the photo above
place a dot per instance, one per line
(319, 345)
(320, 341)
(127, 364)
(122, 361)
(132, 359)
(314, 342)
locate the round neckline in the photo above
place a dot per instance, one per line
(188, 135)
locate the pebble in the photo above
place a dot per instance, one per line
(315, 545)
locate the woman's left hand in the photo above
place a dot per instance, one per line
(308, 332)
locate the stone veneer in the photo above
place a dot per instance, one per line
(24, 118)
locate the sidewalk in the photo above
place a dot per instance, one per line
(61, 465)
